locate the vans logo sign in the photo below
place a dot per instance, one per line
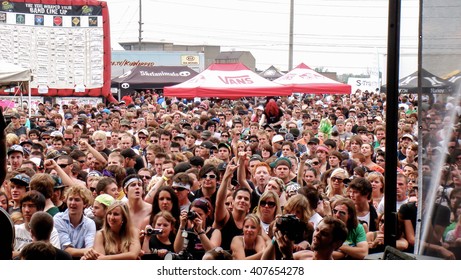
(237, 80)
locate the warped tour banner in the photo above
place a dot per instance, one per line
(65, 43)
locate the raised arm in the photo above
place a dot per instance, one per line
(302, 164)
(95, 153)
(241, 172)
(221, 213)
(179, 240)
(66, 179)
(167, 175)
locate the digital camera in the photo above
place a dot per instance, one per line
(290, 226)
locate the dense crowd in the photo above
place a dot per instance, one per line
(298, 177)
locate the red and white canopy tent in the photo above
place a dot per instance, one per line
(226, 81)
(303, 79)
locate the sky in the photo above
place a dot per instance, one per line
(343, 36)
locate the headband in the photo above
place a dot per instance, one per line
(131, 181)
(181, 185)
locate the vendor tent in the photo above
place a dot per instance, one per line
(303, 79)
(229, 81)
(430, 83)
(149, 77)
(12, 75)
(271, 73)
(456, 78)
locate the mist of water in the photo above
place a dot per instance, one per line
(436, 173)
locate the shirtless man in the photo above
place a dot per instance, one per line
(139, 209)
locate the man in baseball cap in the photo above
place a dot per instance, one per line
(19, 185)
(15, 156)
(224, 151)
(277, 141)
(282, 169)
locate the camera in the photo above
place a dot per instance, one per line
(191, 215)
(290, 226)
(153, 231)
(182, 255)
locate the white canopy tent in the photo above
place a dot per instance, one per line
(11, 73)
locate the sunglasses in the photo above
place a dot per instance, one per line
(315, 163)
(342, 213)
(210, 176)
(253, 141)
(145, 177)
(64, 165)
(68, 139)
(269, 204)
(142, 138)
(178, 189)
(336, 179)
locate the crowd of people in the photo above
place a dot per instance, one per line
(152, 177)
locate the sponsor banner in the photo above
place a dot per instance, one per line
(187, 60)
(50, 9)
(363, 84)
(124, 61)
(94, 101)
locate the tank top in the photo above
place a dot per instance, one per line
(228, 232)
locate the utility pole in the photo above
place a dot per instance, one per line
(140, 25)
(290, 44)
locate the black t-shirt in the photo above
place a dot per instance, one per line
(62, 207)
(228, 232)
(154, 243)
(195, 246)
(106, 151)
(274, 119)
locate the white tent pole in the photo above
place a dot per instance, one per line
(30, 98)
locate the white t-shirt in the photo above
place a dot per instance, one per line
(380, 209)
(365, 218)
(23, 237)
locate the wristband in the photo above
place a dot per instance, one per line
(201, 232)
